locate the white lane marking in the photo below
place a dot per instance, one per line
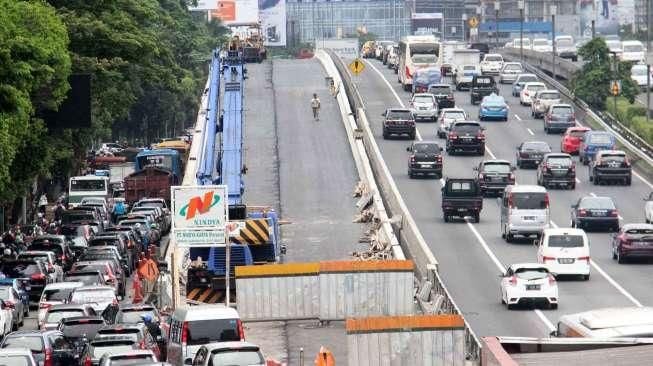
(401, 103)
(487, 249)
(490, 152)
(544, 319)
(577, 180)
(530, 131)
(642, 179)
(610, 279)
(517, 116)
(592, 194)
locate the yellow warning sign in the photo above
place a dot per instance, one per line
(473, 22)
(615, 87)
(357, 66)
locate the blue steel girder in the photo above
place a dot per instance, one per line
(206, 167)
(231, 154)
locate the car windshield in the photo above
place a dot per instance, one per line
(89, 296)
(549, 95)
(237, 358)
(136, 359)
(100, 348)
(531, 273)
(562, 110)
(212, 330)
(15, 360)
(598, 203)
(527, 79)
(536, 146)
(614, 157)
(528, 200)
(493, 58)
(633, 48)
(466, 127)
(638, 71)
(56, 294)
(559, 160)
(424, 59)
(54, 316)
(34, 343)
(423, 99)
(18, 270)
(439, 89)
(566, 241)
(600, 139)
(406, 115)
(502, 168)
(455, 115)
(127, 316)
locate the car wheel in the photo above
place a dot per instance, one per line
(586, 277)
(385, 135)
(628, 181)
(572, 186)
(553, 306)
(446, 218)
(410, 174)
(481, 152)
(412, 135)
(573, 223)
(509, 238)
(596, 181)
(477, 217)
(510, 307)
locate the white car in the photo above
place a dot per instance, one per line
(638, 74)
(447, 117)
(492, 63)
(54, 294)
(509, 72)
(540, 45)
(529, 283)
(632, 51)
(528, 92)
(17, 356)
(648, 208)
(6, 320)
(542, 100)
(565, 251)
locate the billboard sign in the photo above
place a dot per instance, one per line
(204, 5)
(273, 21)
(346, 47)
(235, 11)
(199, 215)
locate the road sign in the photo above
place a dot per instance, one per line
(199, 215)
(473, 22)
(357, 66)
(615, 88)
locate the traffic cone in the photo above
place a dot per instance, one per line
(138, 292)
(324, 357)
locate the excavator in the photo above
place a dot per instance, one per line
(248, 39)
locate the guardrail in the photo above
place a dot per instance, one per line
(564, 68)
(432, 288)
(634, 143)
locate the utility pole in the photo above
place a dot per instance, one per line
(553, 9)
(648, 62)
(497, 7)
(520, 4)
(593, 19)
(463, 27)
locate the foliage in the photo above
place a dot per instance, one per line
(632, 116)
(592, 82)
(364, 37)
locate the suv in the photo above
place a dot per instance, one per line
(56, 244)
(48, 345)
(466, 136)
(594, 141)
(461, 197)
(559, 117)
(610, 165)
(424, 107)
(541, 101)
(447, 117)
(398, 122)
(494, 175)
(557, 169)
(443, 95)
(482, 86)
(425, 158)
(565, 48)
(509, 72)
(492, 63)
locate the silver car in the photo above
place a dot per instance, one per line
(424, 107)
(447, 117)
(509, 72)
(229, 353)
(542, 100)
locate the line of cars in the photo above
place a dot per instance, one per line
(75, 279)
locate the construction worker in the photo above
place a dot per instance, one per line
(155, 331)
(43, 203)
(315, 105)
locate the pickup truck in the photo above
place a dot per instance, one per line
(482, 86)
(461, 197)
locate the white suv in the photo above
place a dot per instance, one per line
(492, 64)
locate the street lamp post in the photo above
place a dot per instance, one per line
(497, 7)
(615, 70)
(593, 19)
(648, 62)
(553, 9)
(463, 27)
(520, 4)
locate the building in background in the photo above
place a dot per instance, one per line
(272, 14)
(446, 19)
(310, 21)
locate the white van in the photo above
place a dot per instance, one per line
(524, 211)
(632, 51)
(565, 251)
(194, 326)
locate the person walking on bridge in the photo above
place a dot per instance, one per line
(315, 105)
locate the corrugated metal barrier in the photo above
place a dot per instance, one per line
(325, 290)
(406, 340)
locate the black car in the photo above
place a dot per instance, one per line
(531, 153)
(96, 348)
(78, 330)
(610, 166)
(64, 255)
(466, 136)
(592, 212)
(482, 48)
(117, 240)
(557, 169)
(494, 175)
(461, 197)
(559, 117)
(44, 345)
(398, 122)
(34, 270)
(443, 95)
(425, 158)
(482, 86)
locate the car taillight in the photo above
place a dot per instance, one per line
(614, 213)
(481, 176)
(480, 136)
(453, 136)
(573, 168)
(511, 177)
(241, 330)
(546, 200)
(408, 74)
(450, 97)
(623, 239)
(48, 357)
(45, 306)
(587, 258)
(38, 276)
(525, 93)
(142, 344)
(184, 333)
(88, 361)
(626, 163)
(545, 258)
(412, 159)
(582, 212)
(552, 280)
(513, 281)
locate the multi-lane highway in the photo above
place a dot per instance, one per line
(471, 256)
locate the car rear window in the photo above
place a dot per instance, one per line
(614, 157)
(559, 160)
(82, 327)
(566, 241)
(527, 79)
(33, 343)
(550, 95)
(399, 115)
(133, 315)
(599, 203)
(497, 168)
(600, 139)
(54, 316)
(13, 270)
(237, 357)
(130, 360)
(456, 115)
(562, 110)
(528, 200)
(493, 58)
(86, 279)
(512, 67)
(577, 133)
(440, 89)
(89, 296)
(34, 257)
(536, 146)
(426, 148)
(424, 59)
(212, 330)
(423, 99)
(51, 247)
(466, 127)
(15, 360)
(531, 273)
(536, 87)
(100, 348)
(56, 294)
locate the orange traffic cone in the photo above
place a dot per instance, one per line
(324, 358)
(138, 292)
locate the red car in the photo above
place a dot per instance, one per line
(571, 139)
(633, 240)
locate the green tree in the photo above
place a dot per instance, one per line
(592, 82)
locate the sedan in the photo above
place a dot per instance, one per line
(424, 107)
(531, 153)
(590, 211)
(570, 143)
(493, 107)
(510, 72)
(529, 284)
(633, 240)
(521, 80)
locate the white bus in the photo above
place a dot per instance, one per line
(87, 186)
(416, 52)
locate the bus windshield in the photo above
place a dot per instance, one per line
(77, 185)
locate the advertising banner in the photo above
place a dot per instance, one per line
(199, 215)
(235, 11)
(273, 21)
(608, 15)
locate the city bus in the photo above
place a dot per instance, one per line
(416, 52)
(87, 186)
